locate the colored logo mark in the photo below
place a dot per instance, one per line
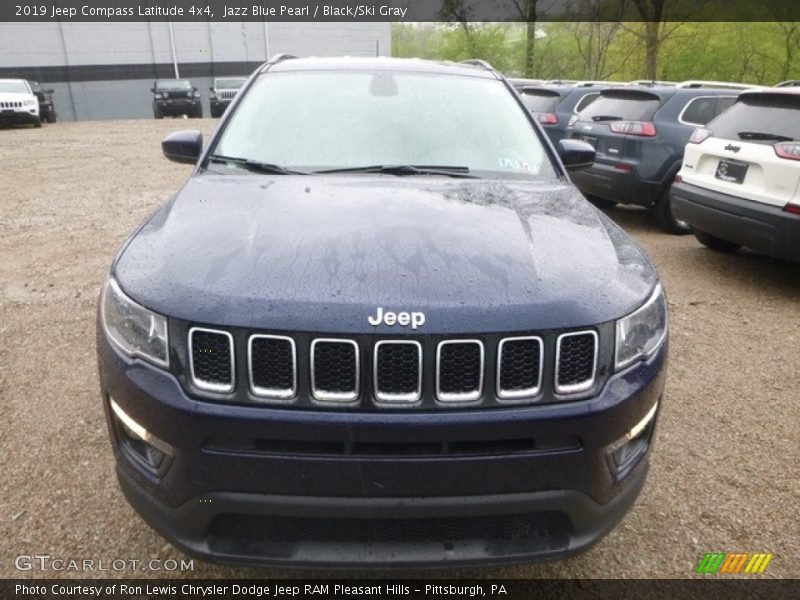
(741, 563)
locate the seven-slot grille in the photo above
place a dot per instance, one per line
(227, 94)
(10, 104)
(212, 361)
(576, 361)
(331, 367)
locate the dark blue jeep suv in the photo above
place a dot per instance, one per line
(380, 327)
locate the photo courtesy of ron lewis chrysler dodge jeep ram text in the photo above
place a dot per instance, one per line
(380, 327)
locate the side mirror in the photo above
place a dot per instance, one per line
(195, 89)
(183, 146)
(211, 89)
(576, 154)
(153, 90)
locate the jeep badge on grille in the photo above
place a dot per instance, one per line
(415, 319)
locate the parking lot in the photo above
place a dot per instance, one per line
(725, 472)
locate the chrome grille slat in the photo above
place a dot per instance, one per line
(576, 361)
(508, 351)
(321, 378)
(408, 363)
(213, 368)
(447, 391)
(263, 348)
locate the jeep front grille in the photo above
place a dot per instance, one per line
(576, 361)
(459, 370)
(227, 94)
(334, 370)
(9, 104)
(398, 371)
(367, 371)
(211, 359)
(272, 364)
(519, 368)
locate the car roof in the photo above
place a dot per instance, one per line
(15, 80)
(383, 63)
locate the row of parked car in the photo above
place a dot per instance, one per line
(24, 101)
(718, 159)
(178, 97)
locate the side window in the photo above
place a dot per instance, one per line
(700, 111)
(724, 103)
(586, 101)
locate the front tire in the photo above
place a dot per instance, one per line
(198, 113)
(51, 117)
(663, 214)
(37, 122)
(715, 243)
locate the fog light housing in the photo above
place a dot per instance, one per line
(628, 450)
(139, 443)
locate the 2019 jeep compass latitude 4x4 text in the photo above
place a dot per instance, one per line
(380, 327)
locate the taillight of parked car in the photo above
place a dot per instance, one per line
(789, 150)
(699, 135)
(792, 208)
(641, 128)
(546, 118)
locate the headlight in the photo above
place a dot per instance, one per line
(643, 331)
(136, 330)
(30, 102)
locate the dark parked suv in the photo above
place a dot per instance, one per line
(640, 133)
(555, 105)
(223, 92)
(175, 97)
(47, 109)
(379, 326)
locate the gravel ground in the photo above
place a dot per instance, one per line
(725, 474)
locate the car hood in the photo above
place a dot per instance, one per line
(15, 97)
(322, 253)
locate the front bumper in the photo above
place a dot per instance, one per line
(178, 107)
(610, 183)
(760, 227)
(18, 116)
(279, 506)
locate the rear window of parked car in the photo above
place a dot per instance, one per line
(703, 109)
(760, 115)
(586, 101)
(540, 100)
(628, 105)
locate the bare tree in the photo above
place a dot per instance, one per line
(526, 10)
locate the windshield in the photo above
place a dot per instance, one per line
(14, 87)
(345, 119)
(173, 85)
(620, 105)
(229, 84)
(760, 117)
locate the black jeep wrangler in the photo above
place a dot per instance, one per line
(47, 110)
(176, 97)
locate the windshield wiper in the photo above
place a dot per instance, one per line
(253, 165)
(606, 118)
(756, 135)
(401, 170)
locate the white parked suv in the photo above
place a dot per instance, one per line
(740, 180)
(17, 103)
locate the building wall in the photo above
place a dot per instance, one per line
(105, 71)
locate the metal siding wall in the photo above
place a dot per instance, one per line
(142, 51)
